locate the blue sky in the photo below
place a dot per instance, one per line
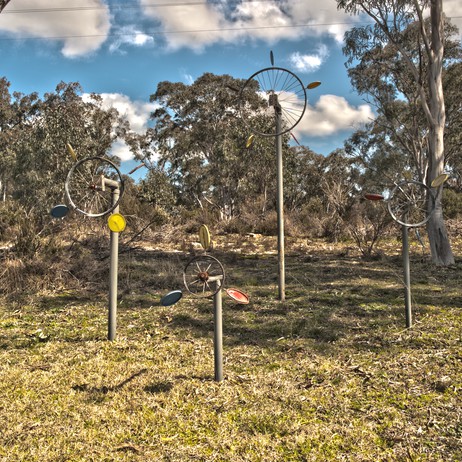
(123, 49)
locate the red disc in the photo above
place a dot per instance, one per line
(374, 197)
(238, 296)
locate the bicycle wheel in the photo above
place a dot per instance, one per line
(283, 92)
(89, 186)
(201, 275)
(411, 203)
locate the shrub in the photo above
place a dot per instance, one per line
(452, 203)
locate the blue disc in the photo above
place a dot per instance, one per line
(171, 298)
(59, 211)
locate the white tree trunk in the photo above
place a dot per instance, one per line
(436, 228)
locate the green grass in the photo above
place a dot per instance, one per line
(331, 374)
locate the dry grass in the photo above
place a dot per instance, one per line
(329, 375)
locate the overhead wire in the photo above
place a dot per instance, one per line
(124, 6)
(185, 31)
(163, 32)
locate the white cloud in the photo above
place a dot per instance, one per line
(136, 112)
(229, 22)
(84, 25)
(130, 35)
(332, 114)
(271, 21)
(188, 78)
(121, 150)
(82, 28)
(309, 62)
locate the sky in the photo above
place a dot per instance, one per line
(123, 49)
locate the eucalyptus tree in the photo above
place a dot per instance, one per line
(17, 113)
(41, 158)
(200, 138)
(156, 190)
(304, 174)
(402, 56)
(453, 136)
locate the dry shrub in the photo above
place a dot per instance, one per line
(23, 276)
(267, 225)
(236, 225)
(367, 223)
(57, 262)
(12, 276)
(311, 218)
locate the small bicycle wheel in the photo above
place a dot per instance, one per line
(411, 203)
(89, 186)
(203, 276)
(284, 93)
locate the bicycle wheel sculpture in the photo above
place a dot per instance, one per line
(411, 203)
(283, 91)
(201, 275)
(89, 183)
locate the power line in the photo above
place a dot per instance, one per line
(194, 31)
(163, 32)
(134, 6)
(191, 31)
(121, 6)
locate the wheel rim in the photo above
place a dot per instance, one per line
(204, 276)
(84, 189)
(408, 204)
(280, 88)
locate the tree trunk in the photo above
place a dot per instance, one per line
(3, 3)
(436, 229)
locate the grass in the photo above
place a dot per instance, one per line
(331, 374)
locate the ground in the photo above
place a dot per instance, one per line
(330, 374)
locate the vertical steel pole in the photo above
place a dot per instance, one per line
(218, 333)
(113, 269)
(407, 277)
(280, 207)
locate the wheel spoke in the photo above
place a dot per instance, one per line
(197, 281)
(283, 87)
(83, 189)
(409, 203)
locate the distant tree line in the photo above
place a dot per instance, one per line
(201, 168)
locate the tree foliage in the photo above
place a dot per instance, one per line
(34, 161)
(200, 164)
(399, 62)
(200, 138)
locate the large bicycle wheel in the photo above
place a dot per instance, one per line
(411, 203)
(203, 276)
(89, 186)
(284, 94)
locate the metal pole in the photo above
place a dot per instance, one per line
(280, 207)
(218, 333)
(407, 277)
(113, 269)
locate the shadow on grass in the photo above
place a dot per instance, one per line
(104, 389)
(328, 299)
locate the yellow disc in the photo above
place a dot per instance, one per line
(116, 222)
(312, 85)
(71, 152)
(249, 141)
(439, 180)
(204, 237)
